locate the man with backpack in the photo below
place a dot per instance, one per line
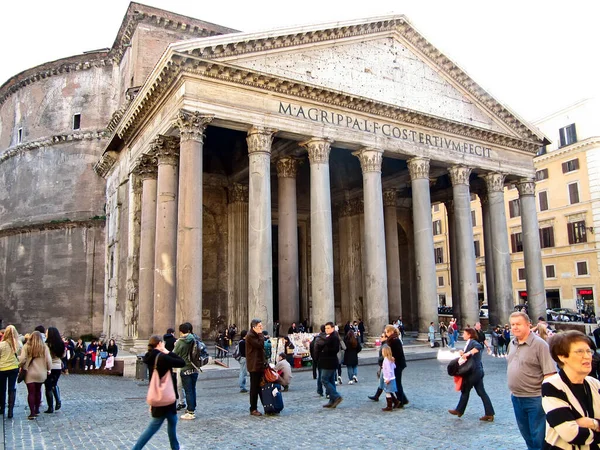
(189, 373)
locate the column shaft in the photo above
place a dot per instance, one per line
(532, 252)
(454, 280)
(355, 263)
(488, 246)
(344, 223)
(260, 258)
(461, 195)
(237, 261)
(392, 254)
(423, 230)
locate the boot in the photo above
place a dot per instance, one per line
(375, 397)
(396, 402)
(50, 401)
(389, 404)
(56, 393)
(11, 403)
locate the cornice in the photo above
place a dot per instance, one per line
(181, 64)
(61, 225)
(51, 141)
(576, 147)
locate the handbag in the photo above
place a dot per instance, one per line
(271, 375)
(160, 390)
(23, 371)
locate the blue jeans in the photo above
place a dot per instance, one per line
(531, 420)
(451, 339)
(319, 384)
(153, 427)
(7, 378)
(189, 386)
(243, 373)
(328, 380)
(352, 372)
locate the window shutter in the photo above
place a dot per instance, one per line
(576, 164)
(565, 167)
(571, 233)
(562, 137)
(572, 133)
(551, 231)
(513, 242)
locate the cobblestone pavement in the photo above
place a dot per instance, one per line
(101, 412)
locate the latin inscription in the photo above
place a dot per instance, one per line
(385, 129)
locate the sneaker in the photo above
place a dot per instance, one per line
(85, 368)
(180, 406)
(355, 379)
(243, 391)
(188, 416)
(351, 382)
(339, 380)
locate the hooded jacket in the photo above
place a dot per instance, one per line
(183, 346)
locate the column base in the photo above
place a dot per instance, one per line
(137, 346)
(422, 337)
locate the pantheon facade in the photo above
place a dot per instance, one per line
(290, 175)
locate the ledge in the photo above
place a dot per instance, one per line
(98, 222)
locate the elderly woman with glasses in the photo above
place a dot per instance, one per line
(571, 398)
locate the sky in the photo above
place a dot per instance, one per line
(533, 56)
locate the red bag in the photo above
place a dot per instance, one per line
(458, 380)
(160, 390)
(271, 376)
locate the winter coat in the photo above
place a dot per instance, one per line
(183, 348)
(328, 359)
(166, 363)
(397, 352)
(170, 341)
(351, 353)
(37, 368)
(285, 372)
(255, 351)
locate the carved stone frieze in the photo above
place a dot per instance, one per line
(260, 139)
(418, 168)
(390, 197)
(483, 198)
(146, 167)
(287, 167)
(103, 166)
(345, 208)
(192, 124)
(357, 206)
(526, 186)
(166, 150)
(494, 182)
(238, 193)
(370, 159)
(459, 175)
(318, 150)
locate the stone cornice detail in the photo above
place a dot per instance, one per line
(238, 193)
(494, 182)
(105, 163)
(370, 159)
(526, 186)
(56, 225)
(166, 150)
(459, 175)
(576, 147)
(146, 167)
(418, 168)
(318, 150)
(53, 140)
(180, 64)
(260, 140)
(287, 167)
(390, 197)
(192, 125)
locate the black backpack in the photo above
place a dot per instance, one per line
(198, 354)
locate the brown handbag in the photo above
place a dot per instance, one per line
(23, 371)
(271, 375)
(160, 390)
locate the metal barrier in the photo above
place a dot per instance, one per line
(221, 356)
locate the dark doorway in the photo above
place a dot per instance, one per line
(553, 298)
(275, 255)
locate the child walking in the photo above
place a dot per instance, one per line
(387, 373)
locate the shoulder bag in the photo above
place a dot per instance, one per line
(23, 370)
(160, 390)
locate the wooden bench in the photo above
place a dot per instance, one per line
(117, 370)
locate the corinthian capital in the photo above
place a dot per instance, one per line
(494, 182)
(526, 186)
(166, 150)
(389, 197)
(238, 193)
(260, 140)
(418, 168)
(146, 167)
(459, 175)
(370, 159)
(318, 150)
(192, 124)
(287, 167)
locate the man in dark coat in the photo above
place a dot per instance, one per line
(328, 362)
(395, 344)
(255, 362)
(315, 348)
(170, 339)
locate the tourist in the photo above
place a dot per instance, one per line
(288, 349)
(451, 333)
(455, 330)
(91, 354)
(431, 334)
(543, 332)
(328, 361)
(293, 329)
(79, 354)
(529, 362)
(473, 379)
(496, 333)
(242, 361)
(393, 341)
(101, 354)
(35, 358)
(165, 363)
(389, 378)
(340, 356)
(170, 339)
(361, 331)
(353, 347)
(316, 346)
(570, 397)
(9, 368)
(189, 374)
(69, 347)
(443, 329)
(506, 337)
(481, 337)
(284, 370)
(255, 361)
(268, 346)
(57, 350)
(112, 350)
(381, 386)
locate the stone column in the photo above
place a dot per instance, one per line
(494, 316)
(289, 298)
(423, 230)
(134, 210)
(500, 250)
(321, 233)
(147, 171)
(237, 260)
(345, 225)
(165, 257)
(532, 252)
(260, 258)
(459, 175)
(189, 218)
(392, 254)
(454, 280)
(376, 285)
(355, 262)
